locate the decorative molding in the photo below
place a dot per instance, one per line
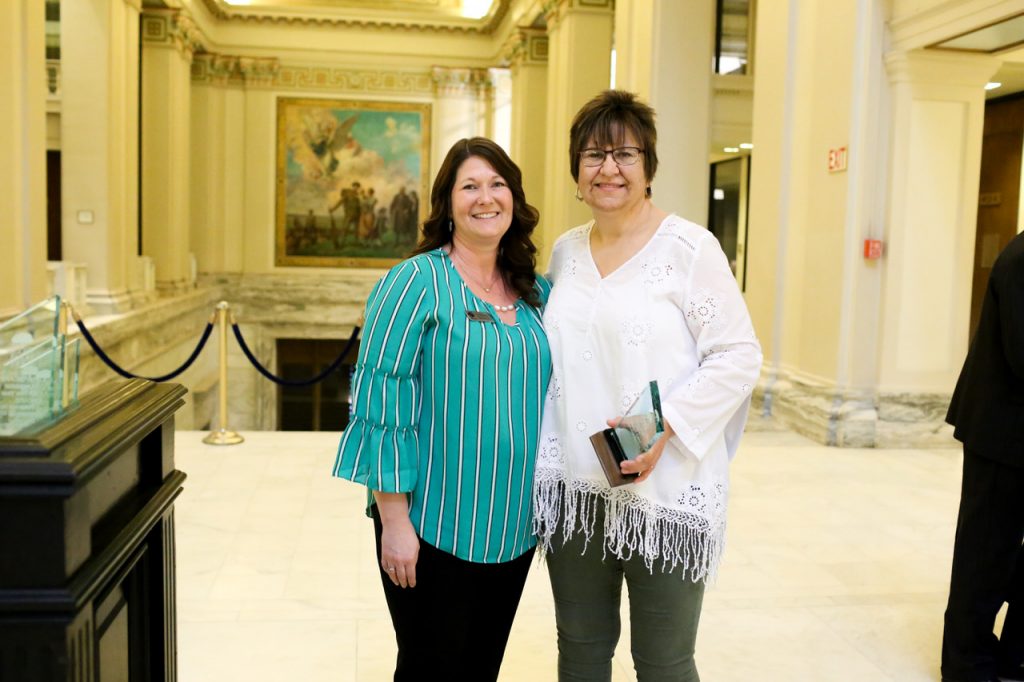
(934, 67)
(354, 80)
(259, 71)
(221, 69)
(217, 69)
(254, 15)
(943, 20)
(525, 46)
(461, 81)
(172, 28)
(556, 10)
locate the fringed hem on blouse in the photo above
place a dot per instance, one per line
(632, 524)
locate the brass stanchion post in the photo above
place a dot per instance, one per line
(223, 435)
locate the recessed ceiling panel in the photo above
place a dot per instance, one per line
(1004, 35)
(461, 15)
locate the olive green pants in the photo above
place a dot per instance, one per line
(664, 610)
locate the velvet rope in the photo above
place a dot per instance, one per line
(288, 382)
(128, 375)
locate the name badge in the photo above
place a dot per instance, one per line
(479, 316)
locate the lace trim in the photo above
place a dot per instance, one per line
(632, 524)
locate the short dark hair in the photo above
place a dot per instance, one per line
(517, 254)
(605, 119)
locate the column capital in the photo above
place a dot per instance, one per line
(525, 46)
(171, 28)
(217, 69)
(460, 81)
(935, 67)
(222, 69)
(259, 71)
(556, 10)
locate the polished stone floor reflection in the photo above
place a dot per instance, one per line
(836, 568)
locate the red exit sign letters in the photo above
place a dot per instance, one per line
(837, 160)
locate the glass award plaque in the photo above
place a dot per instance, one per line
(636, 432)
(38, 367)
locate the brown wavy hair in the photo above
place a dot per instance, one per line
(517, 254)
(604, 119)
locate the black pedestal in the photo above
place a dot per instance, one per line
(87, 541)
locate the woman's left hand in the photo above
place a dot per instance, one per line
(645, 462)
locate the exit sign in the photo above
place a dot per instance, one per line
(837, 160)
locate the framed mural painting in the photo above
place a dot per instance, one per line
(352, 181)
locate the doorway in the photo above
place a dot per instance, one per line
(324, 406)
(999, 206)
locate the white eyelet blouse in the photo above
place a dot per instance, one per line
(673, 313)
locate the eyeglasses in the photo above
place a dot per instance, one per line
(623, 156)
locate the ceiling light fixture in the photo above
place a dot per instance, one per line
(746, 145)
(476, 9)
(992, 85)
(730, 150)
(719, 194)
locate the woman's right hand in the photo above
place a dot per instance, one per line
(399, 544)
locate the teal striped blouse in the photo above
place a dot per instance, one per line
(448, 409)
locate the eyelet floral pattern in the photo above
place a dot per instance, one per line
(554, 388)
(628, 398)
(705, 309)
(551, 452)
(635, 331)
(655, 271)
(705, 500)
(570, 267)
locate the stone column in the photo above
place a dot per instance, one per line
(169, 40)
(23, 163)
(938, 107)
(99, 150)
(459, 109)
(579, 67)
(527, 54)
(257, 211)
(664, 52)
(216, 191)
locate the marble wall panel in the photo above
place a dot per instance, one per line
(858, 419)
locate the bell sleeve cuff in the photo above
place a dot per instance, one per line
(379, 448)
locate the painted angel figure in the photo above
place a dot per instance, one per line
(327, 136)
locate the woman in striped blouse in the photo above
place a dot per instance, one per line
(449, 387)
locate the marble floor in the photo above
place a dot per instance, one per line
(836, 568)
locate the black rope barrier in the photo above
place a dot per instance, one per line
(288, 382)
(128, 375)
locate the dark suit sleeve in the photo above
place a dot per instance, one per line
(1011, 311)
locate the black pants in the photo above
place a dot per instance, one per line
(454, 624)
(988, 569)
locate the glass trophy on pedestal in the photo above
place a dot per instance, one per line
(637, 430)
(38, 367)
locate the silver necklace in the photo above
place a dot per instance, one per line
(465, 266)
(500, 308)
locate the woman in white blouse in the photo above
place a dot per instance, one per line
(639, 295)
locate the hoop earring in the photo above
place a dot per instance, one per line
(579, 197)
(648, 192)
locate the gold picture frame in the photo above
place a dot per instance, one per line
(352, 181)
